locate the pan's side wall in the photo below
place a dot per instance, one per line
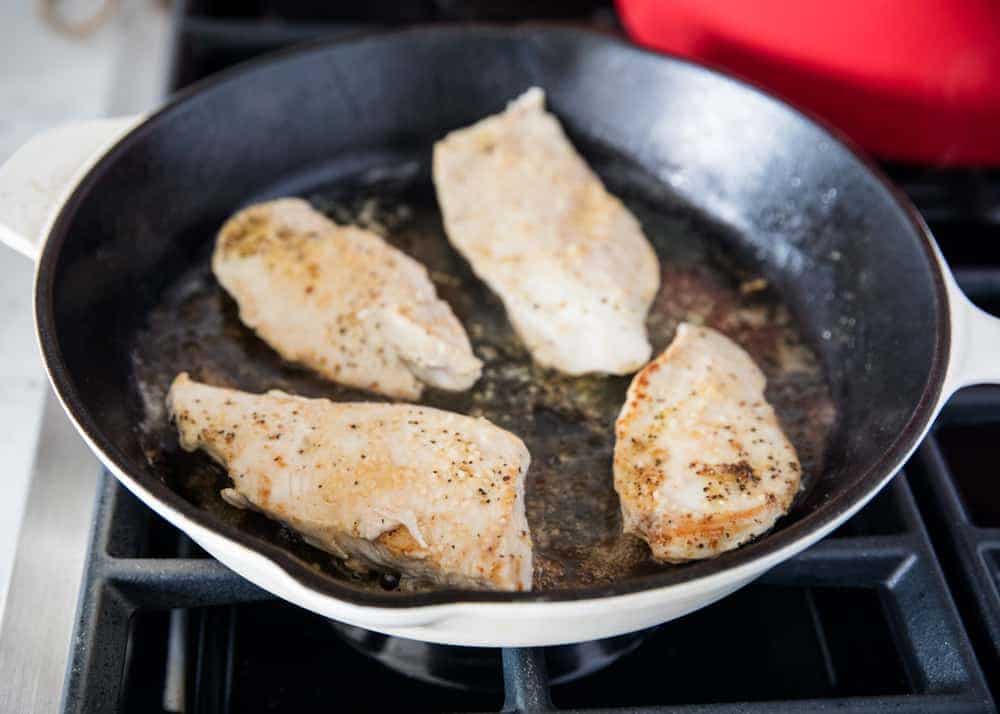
(826, 231)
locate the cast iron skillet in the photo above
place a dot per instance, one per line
(845, 252)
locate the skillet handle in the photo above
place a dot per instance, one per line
(36, 181)
(975, 343)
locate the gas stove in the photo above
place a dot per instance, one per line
(897, 611)
(864, 620)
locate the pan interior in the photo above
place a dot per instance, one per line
(567, 423)
(731, 185)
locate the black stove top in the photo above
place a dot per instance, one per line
(863, 620)
(888, 614)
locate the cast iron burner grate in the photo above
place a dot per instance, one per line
(863, 621)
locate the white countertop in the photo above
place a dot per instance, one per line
(47, 78)
(22, 385)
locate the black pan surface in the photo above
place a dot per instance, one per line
(567, 423)
(736, 190)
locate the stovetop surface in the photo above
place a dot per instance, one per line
(865, 619)
(898, 610)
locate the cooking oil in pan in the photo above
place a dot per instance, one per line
(566, 422)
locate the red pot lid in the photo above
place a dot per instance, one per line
(909, 80)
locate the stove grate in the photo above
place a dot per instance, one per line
(154, 629)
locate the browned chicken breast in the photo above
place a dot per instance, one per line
(342, 301)
(569, 260)
(436, 495)
(701, 463)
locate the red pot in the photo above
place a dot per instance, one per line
(909, 80)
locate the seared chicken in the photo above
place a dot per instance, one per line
(435, 495)
(568, 260)
(701, 464)
(341, 301)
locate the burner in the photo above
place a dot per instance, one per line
(478, 668)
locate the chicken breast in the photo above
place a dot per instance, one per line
(701, 464)
(435, 495)
(568, 260)
(341, 301)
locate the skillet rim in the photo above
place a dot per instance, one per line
(875, 478)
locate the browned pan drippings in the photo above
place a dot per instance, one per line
(567, 423)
